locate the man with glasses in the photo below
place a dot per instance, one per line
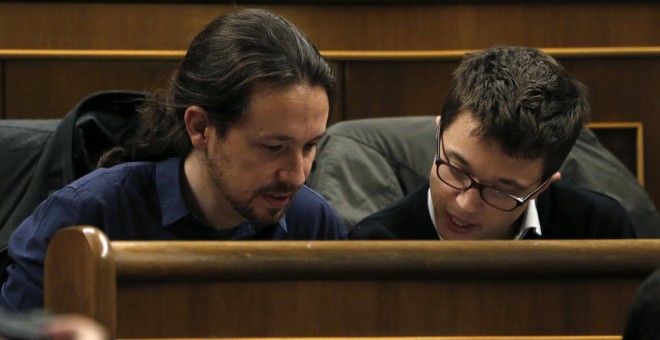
(510, 119)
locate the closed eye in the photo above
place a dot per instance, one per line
(273, 147)
(310, 146)
(499, 193)
(456, 172)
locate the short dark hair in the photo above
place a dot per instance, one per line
(224, 62)
(521, 98)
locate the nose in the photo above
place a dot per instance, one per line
(469, 200)
(295, 169)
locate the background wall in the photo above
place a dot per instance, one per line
(337, 25)
(53, 54)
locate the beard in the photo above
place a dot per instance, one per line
(246, 207)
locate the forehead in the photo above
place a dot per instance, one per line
(296, 108)
(484, 158)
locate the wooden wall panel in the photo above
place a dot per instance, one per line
(50, 88)
(621, 89)
(626, 89)
(60, 84)
(339, 26)
(396, 88)
(2, 90)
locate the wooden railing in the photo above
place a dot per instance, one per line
(346, 288)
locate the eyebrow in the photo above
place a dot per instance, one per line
(504, 182)
(285, 138)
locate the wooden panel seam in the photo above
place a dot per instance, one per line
(586, 52)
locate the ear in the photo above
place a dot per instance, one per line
(198, 126)
(437, 122)
(554, 177)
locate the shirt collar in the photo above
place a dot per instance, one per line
(530, 218)
(530, 221)
(173, 207)
(282, 223)
(247, 229)
(429, 205)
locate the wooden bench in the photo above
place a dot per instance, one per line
(155, 289)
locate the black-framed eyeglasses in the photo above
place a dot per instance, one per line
(460, 180)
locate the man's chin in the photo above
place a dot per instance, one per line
(269, 217)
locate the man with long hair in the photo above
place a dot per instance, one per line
(222, 155)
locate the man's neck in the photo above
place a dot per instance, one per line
(202, 197)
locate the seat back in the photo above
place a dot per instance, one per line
(42, 156)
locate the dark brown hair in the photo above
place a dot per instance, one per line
(521, 98)
(222, 65)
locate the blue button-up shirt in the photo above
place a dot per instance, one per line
(141, 201)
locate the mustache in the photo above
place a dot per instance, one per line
(281, 188)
